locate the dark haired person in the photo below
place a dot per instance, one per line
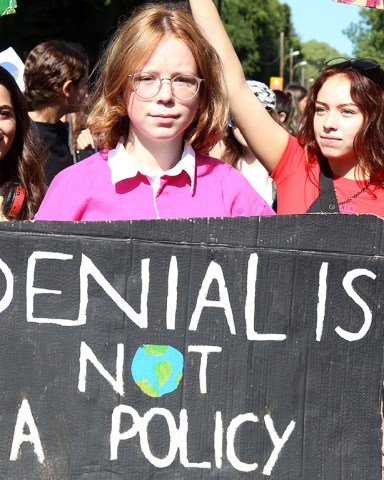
(22, 185)
(55, 77)
(341, 132)
(285, 109)
(300, 95)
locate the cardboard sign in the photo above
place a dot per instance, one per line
(364, 3)
(192, 349)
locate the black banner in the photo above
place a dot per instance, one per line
(192, 349)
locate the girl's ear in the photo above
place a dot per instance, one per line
(67, 88)
(282, 117)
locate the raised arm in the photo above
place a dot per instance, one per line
(264, 136)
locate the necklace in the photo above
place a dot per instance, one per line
(352, 197)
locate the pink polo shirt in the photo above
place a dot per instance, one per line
(106, 186)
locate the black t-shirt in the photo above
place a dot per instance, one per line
(56, 137)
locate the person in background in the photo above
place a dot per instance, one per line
(22, 185)
(285, 110)
(81, 142)
(338, 155)
(55, 77)
(234, 150)
(158, 105)
(85, 145)
(300, 97)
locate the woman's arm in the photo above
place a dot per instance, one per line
(264, 136)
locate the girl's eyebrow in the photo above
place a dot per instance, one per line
(340, 105)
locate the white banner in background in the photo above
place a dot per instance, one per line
(10, 60)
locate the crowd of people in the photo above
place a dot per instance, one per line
(178, 131)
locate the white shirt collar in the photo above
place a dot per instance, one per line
(122, 167)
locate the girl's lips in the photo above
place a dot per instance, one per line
(164, 116)
(164, 119)
(330, 139)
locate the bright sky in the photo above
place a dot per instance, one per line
(324, 21)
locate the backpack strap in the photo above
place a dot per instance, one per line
(326, 201)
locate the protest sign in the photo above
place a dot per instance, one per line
(364, 3)
(192, 349)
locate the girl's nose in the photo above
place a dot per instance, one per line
(330, 121)
(165, 94)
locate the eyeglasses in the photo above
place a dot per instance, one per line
(148, 85)
(367, 66)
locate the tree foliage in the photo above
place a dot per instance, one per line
(87, 22)
(254, 27)
(316, 54)
(367, 35)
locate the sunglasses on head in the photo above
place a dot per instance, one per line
(367, 66)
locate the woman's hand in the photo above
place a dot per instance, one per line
(85, 140)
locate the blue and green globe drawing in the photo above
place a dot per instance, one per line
(157, 369)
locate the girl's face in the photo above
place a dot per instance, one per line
(163, 117)
(7, 122)
(336, 122)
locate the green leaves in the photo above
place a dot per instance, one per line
(254, 27)
(7, 7)
(368, 35)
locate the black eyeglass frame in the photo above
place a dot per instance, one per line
(367, 66)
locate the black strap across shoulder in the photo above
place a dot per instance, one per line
(326, 201)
